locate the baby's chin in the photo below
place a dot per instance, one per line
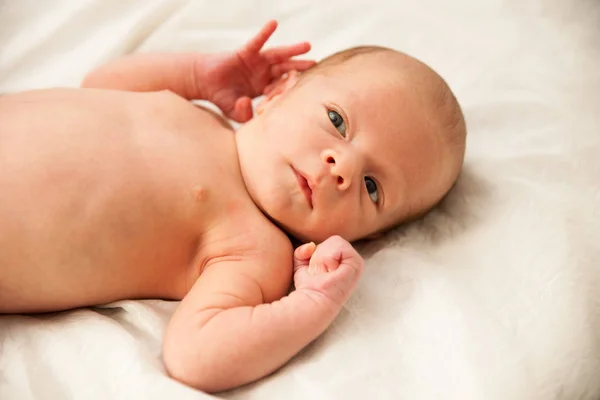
(304, 232)
(299, 235)
(296, 235)
(304, 235)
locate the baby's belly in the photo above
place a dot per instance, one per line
(72, 247)
(91, 210)
(61, 259)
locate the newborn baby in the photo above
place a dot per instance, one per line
(130, 191)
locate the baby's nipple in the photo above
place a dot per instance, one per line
(200, 193)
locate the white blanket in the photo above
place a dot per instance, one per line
(494, 295)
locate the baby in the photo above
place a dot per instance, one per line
(130, 191)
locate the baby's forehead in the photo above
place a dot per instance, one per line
(363, 68)
(366, 78)
(373, 102)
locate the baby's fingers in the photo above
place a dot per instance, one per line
(316, 268)
(242, 110)
(257, 42)
(299, 65)
(324, 262)
(269, 88)
(303, 254)
(282, 53)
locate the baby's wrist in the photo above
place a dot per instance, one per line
(198, 82)
(321, 300)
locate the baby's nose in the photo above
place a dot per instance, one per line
(340, 167)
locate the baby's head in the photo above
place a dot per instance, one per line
(365, 140)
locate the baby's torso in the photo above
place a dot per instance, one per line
(111, 195)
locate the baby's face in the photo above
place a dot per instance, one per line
(345, 153)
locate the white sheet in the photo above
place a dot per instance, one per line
(495, 295)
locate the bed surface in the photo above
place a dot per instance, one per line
(494, 295)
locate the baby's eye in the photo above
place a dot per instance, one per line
(372, 189)
(337, 121)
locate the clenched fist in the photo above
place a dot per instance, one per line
(331, 269)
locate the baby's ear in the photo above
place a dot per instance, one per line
(276, 89)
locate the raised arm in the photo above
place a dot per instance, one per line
(148, 72)
(229, 80)
(231, 330)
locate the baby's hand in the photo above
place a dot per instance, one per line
(331, 269)
(232, 80)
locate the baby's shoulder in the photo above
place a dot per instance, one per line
(271, 254)
(256, 238)
(213, 113)
(167, 102)
(260, 250)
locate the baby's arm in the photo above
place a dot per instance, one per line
(148, 72)
(231, 329)
(229, 80)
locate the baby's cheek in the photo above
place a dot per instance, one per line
(342, 224)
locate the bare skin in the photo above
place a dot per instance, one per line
(119, 198)
(126, 190)
(111, 195)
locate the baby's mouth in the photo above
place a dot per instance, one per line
(304, 186)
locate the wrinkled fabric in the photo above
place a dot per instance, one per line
(493, 295)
